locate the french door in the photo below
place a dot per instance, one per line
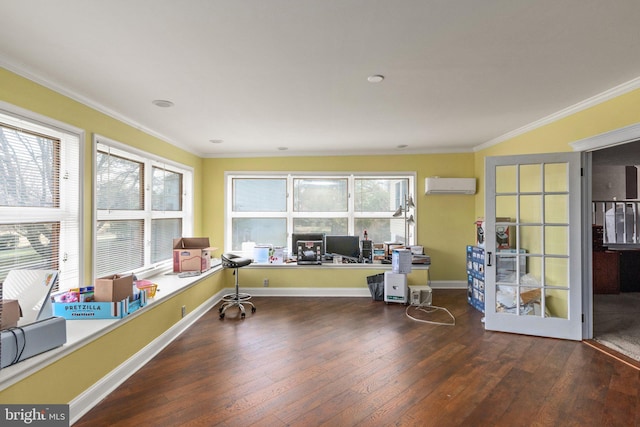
(533, 244)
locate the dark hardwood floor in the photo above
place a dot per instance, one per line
(356, 362)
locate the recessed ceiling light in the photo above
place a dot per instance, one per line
(283, 148)
(216, 141)
(162, 103)
(376, 78)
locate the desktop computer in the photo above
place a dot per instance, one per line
(309, 251)
(366, 251)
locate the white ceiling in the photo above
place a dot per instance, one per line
(264, 74)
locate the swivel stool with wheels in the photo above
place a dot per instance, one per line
(236, 299)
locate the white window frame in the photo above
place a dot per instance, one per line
(147, 213)
(69, 213)
(290, 215)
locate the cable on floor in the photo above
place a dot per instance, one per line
(430, 309)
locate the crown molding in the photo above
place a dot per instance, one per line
(608, 139)
(580, 106)
(36, 78)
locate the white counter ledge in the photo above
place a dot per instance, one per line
(82, 332)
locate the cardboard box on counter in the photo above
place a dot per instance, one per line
(378, 252)
(113, 288)
(11, 313)
(191, 254)
(503, 238)
(97, 310)
(401, 261)
(389, 247)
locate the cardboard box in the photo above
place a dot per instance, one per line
(475, 261)
(389, 247)
(401, 261)
(378, 252)
(276, 255)
(113, 288)
(475, 294)
(503, 239)
(11, 313)
(98, 310)
(191, 254)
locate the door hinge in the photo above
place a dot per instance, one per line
(582, 317)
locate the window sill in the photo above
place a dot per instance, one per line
(82, 332)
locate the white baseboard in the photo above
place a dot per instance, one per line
(332, 292)
(449, 284)
(304, 292)
(98, 391)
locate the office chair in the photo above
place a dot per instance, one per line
(236, 299)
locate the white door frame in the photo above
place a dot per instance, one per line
(608, 139)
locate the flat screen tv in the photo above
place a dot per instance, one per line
(342, 245)
(295, 237)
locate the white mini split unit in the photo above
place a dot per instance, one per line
(436, 185)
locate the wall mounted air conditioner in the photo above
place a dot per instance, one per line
(436, 185)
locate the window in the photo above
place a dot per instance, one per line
(142, 203)
(267, 209)
(320, 195)
(39, 196)
(376, 200)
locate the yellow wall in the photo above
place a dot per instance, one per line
(36, 98)
(555, 137)
(445, 222)
(92, 362)
(444, 227)
(320, 277)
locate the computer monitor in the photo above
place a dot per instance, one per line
(295, 237)
(342, 245)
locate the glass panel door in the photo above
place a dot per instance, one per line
(533, 244)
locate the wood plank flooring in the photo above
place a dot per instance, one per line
(358, 362)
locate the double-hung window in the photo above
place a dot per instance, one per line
(142, 202)
(40, 187)
(269, 208)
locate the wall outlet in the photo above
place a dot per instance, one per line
(184, 310)
(265, 283)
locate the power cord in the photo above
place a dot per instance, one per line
(430, 309)
(19, 350)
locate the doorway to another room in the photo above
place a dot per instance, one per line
(615, 213)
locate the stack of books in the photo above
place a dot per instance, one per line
(420, 259)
